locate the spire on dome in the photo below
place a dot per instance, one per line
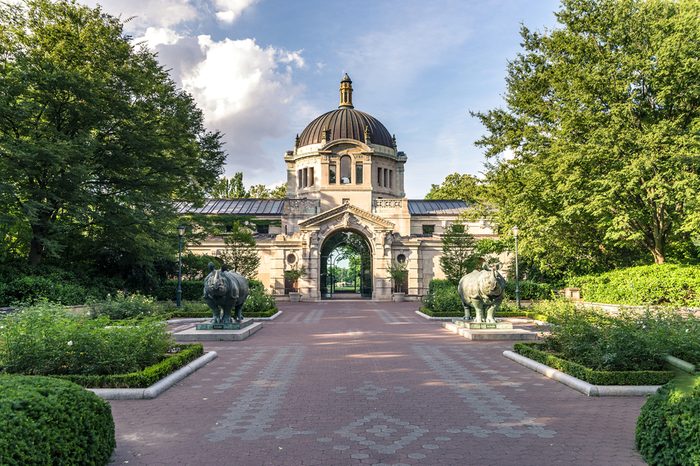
(345, 92)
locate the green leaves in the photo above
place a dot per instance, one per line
(601, 127)
(240, 253)
(458, 254)
(96, 142)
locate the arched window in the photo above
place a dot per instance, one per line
(331, 173)
(345, 169)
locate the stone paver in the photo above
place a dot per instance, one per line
(337, 383)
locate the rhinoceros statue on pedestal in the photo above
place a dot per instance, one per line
(224, 291)
(482, 290)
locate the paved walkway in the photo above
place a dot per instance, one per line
(338, 383)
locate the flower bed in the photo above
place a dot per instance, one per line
(541, 353)
(177, 358)
(48, 339)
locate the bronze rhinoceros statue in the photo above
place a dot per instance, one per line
(225, 291)
(482, 290)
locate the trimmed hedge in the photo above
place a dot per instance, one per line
(506, 310)
(661, 284)
(668, 427)
(537, 352)
(144, 378)
(50, 421)
(30, 289)
(192, 290)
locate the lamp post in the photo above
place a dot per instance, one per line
(517, 277)
(178, 294)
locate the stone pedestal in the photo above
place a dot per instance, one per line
(193, 334)
(468, 324)
(229, 326)
(490, 333)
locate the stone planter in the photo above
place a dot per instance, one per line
(398, 297)
(294, 296)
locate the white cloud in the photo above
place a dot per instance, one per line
(148, 13)
(229, 10)
(246, 91)
(153, 37)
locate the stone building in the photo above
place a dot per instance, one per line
(345, 186)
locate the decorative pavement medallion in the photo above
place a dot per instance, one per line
(379, 432)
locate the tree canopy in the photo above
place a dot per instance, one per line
(601, 126)
(233, 188)
(457, 186)
(96, 141)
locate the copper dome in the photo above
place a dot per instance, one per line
(346, 123)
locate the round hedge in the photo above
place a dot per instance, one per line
(52, 421)
(668, 427)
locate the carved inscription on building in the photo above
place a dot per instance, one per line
(384, 204)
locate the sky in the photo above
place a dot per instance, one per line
(261, 70)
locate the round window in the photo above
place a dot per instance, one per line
(291, 258)
(400, 258)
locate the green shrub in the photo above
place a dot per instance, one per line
(626, 341)
(443, 300)
(438, 283)
(30, 289)
(50, 421)
(542, 354)
(191, 309)
(47, 339)
(529, 290)
(124, 306)
(176, 358)
(446, 300)
(259, 302)
(192, 290)
(664, 284)
(668, 427)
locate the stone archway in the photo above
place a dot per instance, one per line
(357, 241)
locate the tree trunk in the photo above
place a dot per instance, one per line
(659, 257)
(40, 230)
(36, 251)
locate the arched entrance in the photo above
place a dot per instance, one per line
(351, 247)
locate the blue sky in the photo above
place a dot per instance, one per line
(262, 69)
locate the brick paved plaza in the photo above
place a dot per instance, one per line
(336, 383)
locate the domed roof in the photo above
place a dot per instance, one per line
(346, 123)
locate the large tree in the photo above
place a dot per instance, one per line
(601, 127)
(457, 186)
(96, 141)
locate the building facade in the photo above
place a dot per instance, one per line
(345, 187)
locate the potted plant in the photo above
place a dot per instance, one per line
(398, 272)
(293, 275)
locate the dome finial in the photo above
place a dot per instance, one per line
(345, 92)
